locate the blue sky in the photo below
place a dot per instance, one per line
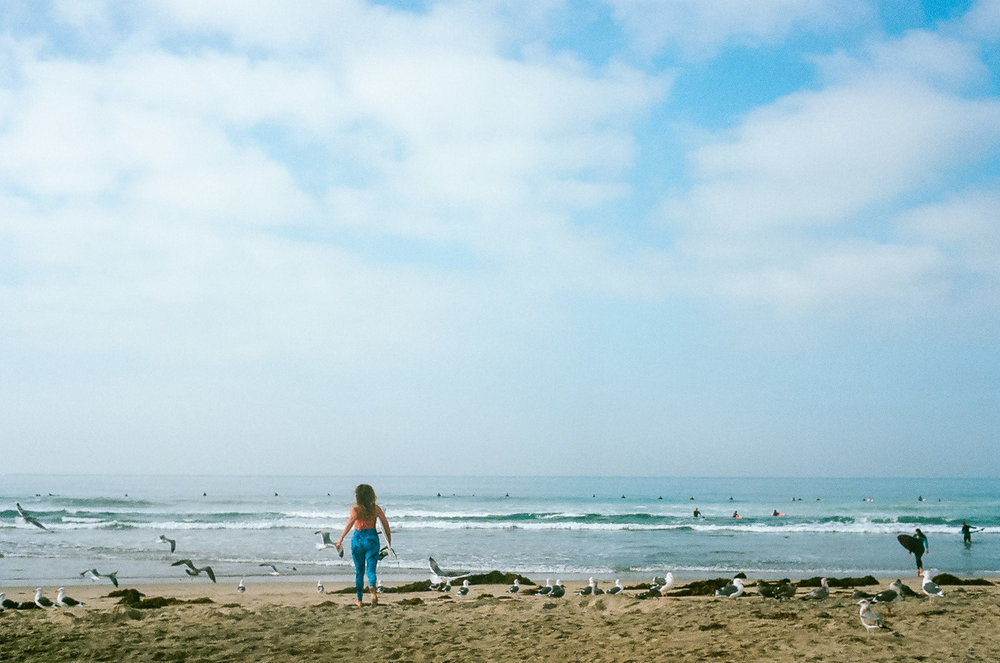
(623, 237)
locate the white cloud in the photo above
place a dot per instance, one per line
(818, 166)
(699, 29)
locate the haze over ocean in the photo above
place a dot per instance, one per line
(568, 527)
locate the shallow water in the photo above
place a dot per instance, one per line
(568, 527)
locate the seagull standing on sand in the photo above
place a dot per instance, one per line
(733, 590)
(547, 589)
(869, 619)
(41, 601)
(28, 519)
(618, 588)
(558, 590)
(7, 603)
(515, 588)
(886, 597)
(93, 575)
(464, 589)
(65, 601)
(319, 586)
(193, 570)
(930, 587)
(588, 590)
(818, 593)
(379, 587)
(241, 587)
(172, 542)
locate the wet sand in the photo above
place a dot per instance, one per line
(291, 621)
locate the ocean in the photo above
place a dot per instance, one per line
(558, 527)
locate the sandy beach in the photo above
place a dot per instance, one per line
(293, 622)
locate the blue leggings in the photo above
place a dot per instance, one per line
(364, 549)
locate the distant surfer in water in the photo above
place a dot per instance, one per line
(736, 514)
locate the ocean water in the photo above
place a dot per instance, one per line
(566, 527)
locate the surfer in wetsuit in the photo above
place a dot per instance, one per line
(924, 547)
(967, 533)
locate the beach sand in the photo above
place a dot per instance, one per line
(291, 621)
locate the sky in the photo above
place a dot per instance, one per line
(629, 237)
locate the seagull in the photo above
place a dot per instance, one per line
(41, 601)
(586, 591)
(439, 580)
(93, 575)
(172, 542)
(903, 589)
(515, 588)
(818, 593)
(547, 589)
(319, 586)
(930, 587)
(464, 589)
(732, 590)
(7, 603)
(558, 590)
(786, 590)
(65, 601)
(887, 597)
(327, 542)
(657, 583)
(869, 619)
(379, 588)
(619, 587)
(193, 570)
(274, 569)
(597, 590)
(667, 585)
(28, 519)
(241, 587)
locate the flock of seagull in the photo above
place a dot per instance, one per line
(442, 582)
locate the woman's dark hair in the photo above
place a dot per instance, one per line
(365, 496)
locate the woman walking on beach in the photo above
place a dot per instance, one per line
(364, 541)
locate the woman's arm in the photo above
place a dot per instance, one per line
(385, 526)
(347, 528)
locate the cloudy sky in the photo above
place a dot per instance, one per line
(626, 237)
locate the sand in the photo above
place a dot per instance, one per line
(290, 621)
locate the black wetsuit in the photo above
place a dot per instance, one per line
(966, 534)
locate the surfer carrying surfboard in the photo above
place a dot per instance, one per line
(917, 545)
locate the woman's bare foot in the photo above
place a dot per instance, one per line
(374, 596)
(358, 603)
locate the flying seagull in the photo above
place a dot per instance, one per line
(327, 542)
(274, 569)
(172, 542)
(94, 575)
(438, 578)
(193, 570)
(65, 601)
(28, 519)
